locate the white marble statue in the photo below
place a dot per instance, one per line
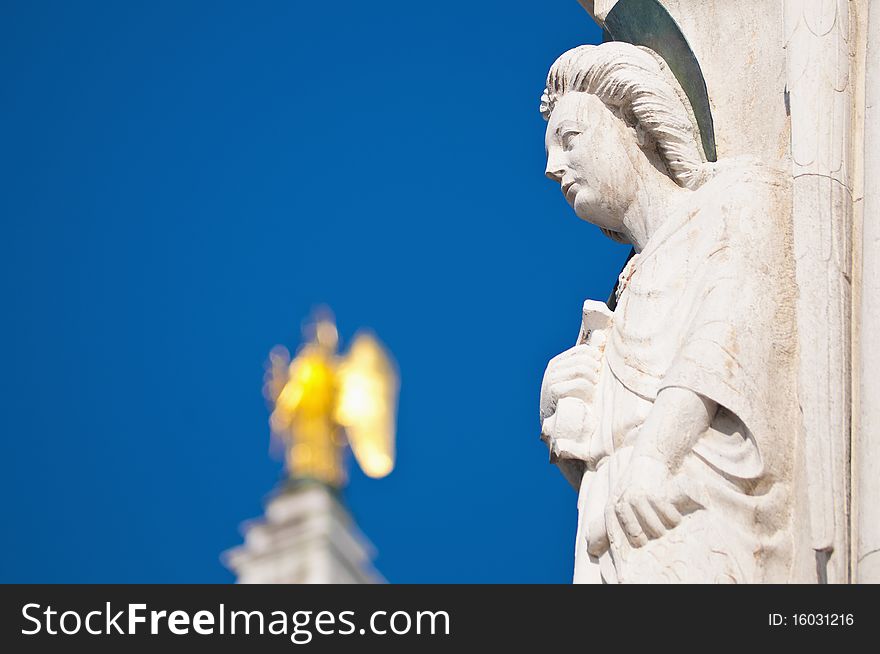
(676, 415)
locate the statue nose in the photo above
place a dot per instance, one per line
(554, 173)
(554, 169)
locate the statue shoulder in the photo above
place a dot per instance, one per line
(739, 174)
(748, 193)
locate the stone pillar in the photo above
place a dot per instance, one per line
(306, 537)
(866, 486)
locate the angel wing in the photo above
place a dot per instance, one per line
(276, 373)
(278, 390)
(818, 54)
(367, 404)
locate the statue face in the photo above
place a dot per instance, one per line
(589, 154)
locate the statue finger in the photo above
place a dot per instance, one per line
(630, 525)
(667, 513)
(577, 388)
(586, 353)
(579, 352)
(569, 372)
(648, 519)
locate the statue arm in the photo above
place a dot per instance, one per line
(678, 419)
(650, 499)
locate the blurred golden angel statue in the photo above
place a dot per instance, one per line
(323, 401)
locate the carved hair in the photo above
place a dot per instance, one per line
(637, 86)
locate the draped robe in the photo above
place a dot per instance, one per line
(708, 306)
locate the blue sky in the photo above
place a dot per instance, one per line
(184, 181)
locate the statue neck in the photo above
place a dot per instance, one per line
(655, 200)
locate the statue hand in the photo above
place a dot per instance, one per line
(574, 373)
(567, 432)
(649, 500)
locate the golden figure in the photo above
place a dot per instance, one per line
(323, 401)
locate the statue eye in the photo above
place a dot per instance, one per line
(568, 139)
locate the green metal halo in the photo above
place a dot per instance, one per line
(647, 23)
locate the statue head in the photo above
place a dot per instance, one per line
(614, 111)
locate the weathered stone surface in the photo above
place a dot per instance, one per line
(707, 421)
